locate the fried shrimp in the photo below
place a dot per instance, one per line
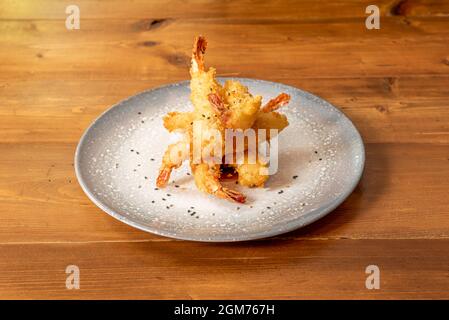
(173, 157)
(268, 118)
(206, 96)
(216, 109)
(207, 180)
(202, 82)
(178, 121)
(252, 173)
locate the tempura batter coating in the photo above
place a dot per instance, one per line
(178, 120)
(243, 106)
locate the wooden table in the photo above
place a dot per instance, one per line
(393, 83)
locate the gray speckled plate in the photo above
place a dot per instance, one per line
(321, 159)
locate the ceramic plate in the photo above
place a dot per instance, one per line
(321, 159)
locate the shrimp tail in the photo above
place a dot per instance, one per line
(232, 195)
(274, 104)
(163, 177)
(199, 48)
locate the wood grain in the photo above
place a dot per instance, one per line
(393, 83)
(281, 269)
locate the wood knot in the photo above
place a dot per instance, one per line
(178, 59)
(401, 8)
(148, 43)
(147, 25)
(382, 109)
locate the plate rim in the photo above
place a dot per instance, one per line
(292, 225)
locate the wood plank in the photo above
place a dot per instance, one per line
(250, 270)
(123, 49)
(403, 194)
(306, 9)
(381, 108)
